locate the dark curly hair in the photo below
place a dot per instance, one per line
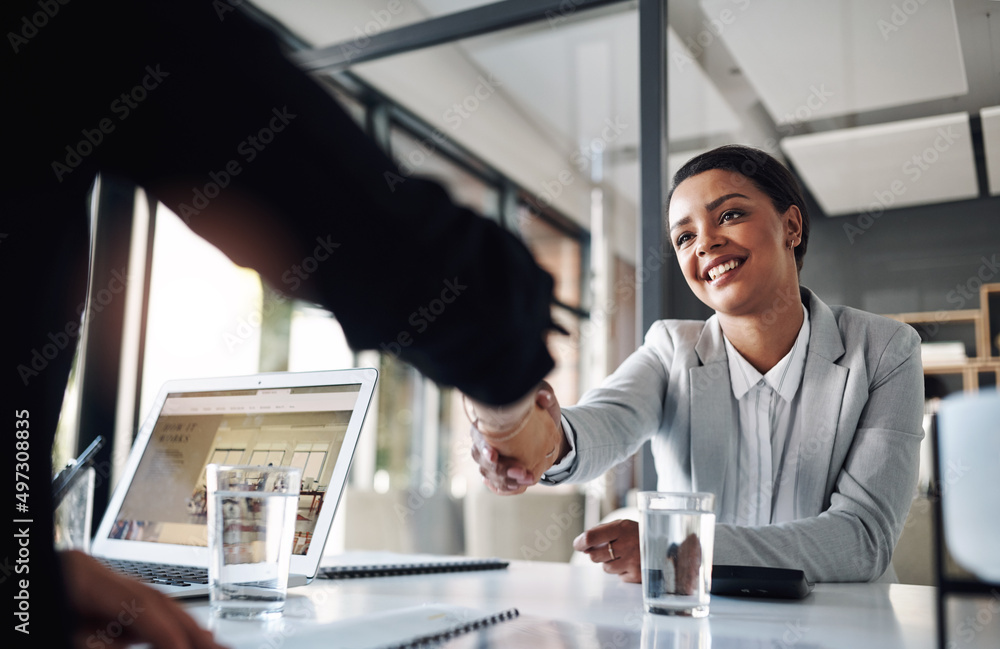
(763, 170)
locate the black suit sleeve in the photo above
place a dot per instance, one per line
(199, 106)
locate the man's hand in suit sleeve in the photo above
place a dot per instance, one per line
(514, 445)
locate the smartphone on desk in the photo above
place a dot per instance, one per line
(759, 581)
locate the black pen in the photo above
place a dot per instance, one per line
(65, 478)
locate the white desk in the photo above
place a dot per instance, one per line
(603, 612)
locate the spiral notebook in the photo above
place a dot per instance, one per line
(354, 565)
(429, 625)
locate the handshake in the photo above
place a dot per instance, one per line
(515, 444)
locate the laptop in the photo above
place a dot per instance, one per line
(155, 527)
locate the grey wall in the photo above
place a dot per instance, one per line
(925, 258)
(910, 259)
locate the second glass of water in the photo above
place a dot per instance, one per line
(251, 528)
(676, 537)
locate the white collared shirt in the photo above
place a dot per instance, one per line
(760, 487)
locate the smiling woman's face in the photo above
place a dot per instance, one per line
(731, 242)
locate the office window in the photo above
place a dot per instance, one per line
(227, 456)
(310, 461)
(316, 341)
(262, 457)
(197, 328)
(621, 312)
(398, 425)
(64, 444)
(566, 350)
(556, 251)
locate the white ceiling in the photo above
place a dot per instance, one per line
(874, 168)
(809, 60)
(812, 75)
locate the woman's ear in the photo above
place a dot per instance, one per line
(793, 222)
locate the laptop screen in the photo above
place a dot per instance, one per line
(296, 426)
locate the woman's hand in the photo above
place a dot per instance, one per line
(616, 545)
(509, 463)
(112, 610)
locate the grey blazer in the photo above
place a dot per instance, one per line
(862, 388)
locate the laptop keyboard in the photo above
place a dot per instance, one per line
(159, 573)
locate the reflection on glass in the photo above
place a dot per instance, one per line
(552, 105)
(621, 314)
(660, 632)
(397, 388)
(555, 251)
(565, 378)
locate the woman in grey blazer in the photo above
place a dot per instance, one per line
(804, 419)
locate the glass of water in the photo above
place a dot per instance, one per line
(676, 536)
(251, 528)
